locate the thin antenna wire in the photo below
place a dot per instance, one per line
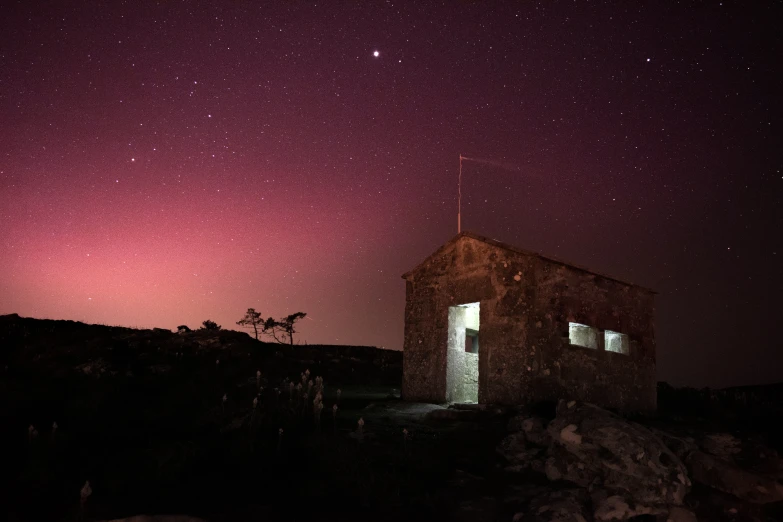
(505, 166)
(459, 197)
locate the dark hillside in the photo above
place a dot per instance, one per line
(140, 413)
(57, 347)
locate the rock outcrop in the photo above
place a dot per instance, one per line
(623, 468)
(627, 470)
(533, 429)
(521, 455)
(158, 518)
(622, 507)
(566, 505)
(745, 469)
(597, 449)
(727, 477)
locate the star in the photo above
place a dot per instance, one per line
(376, 54)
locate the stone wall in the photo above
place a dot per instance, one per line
(453, 277)
(470, 388)
(566, 294)
(526, 304)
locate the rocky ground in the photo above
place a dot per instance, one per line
(611, 468)
(141, 415)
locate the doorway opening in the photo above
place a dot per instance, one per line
(462, 362)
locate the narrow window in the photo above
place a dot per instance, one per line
(617, 342)
(471, 340)
(583, 335)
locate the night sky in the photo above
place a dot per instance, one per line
(166, 163)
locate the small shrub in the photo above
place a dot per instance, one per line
(210, 325)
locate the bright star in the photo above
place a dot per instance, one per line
(376, 54)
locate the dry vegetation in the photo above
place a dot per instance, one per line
(166, 423)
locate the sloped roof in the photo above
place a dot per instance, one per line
(505, 246)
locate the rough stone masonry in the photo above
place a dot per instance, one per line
(545, 330)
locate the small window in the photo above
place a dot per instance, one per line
(471, 341)
(583, 335)
(617, 342)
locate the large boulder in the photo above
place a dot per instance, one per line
(729, 478)
(744, 468)
(621, 507)
(519, 454)
(750, 453)
(597, 449)
(680, 445)
(533, 429)
(525, 448)
(566, 505)
(722, 445)
(158, 518)
(680, 514)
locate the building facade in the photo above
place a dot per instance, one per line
(490, 323)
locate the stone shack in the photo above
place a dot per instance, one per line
(491, 323)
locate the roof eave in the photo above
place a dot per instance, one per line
(505, 246)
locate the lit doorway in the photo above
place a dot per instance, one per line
(462, 362)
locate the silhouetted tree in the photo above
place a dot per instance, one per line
(252, 320)
(183, 328)
(210, 325)
(283, 327)
(271, 328)
(288, 324)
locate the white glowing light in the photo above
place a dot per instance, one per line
(376, 54)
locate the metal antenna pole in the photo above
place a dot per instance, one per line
(459, 197)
